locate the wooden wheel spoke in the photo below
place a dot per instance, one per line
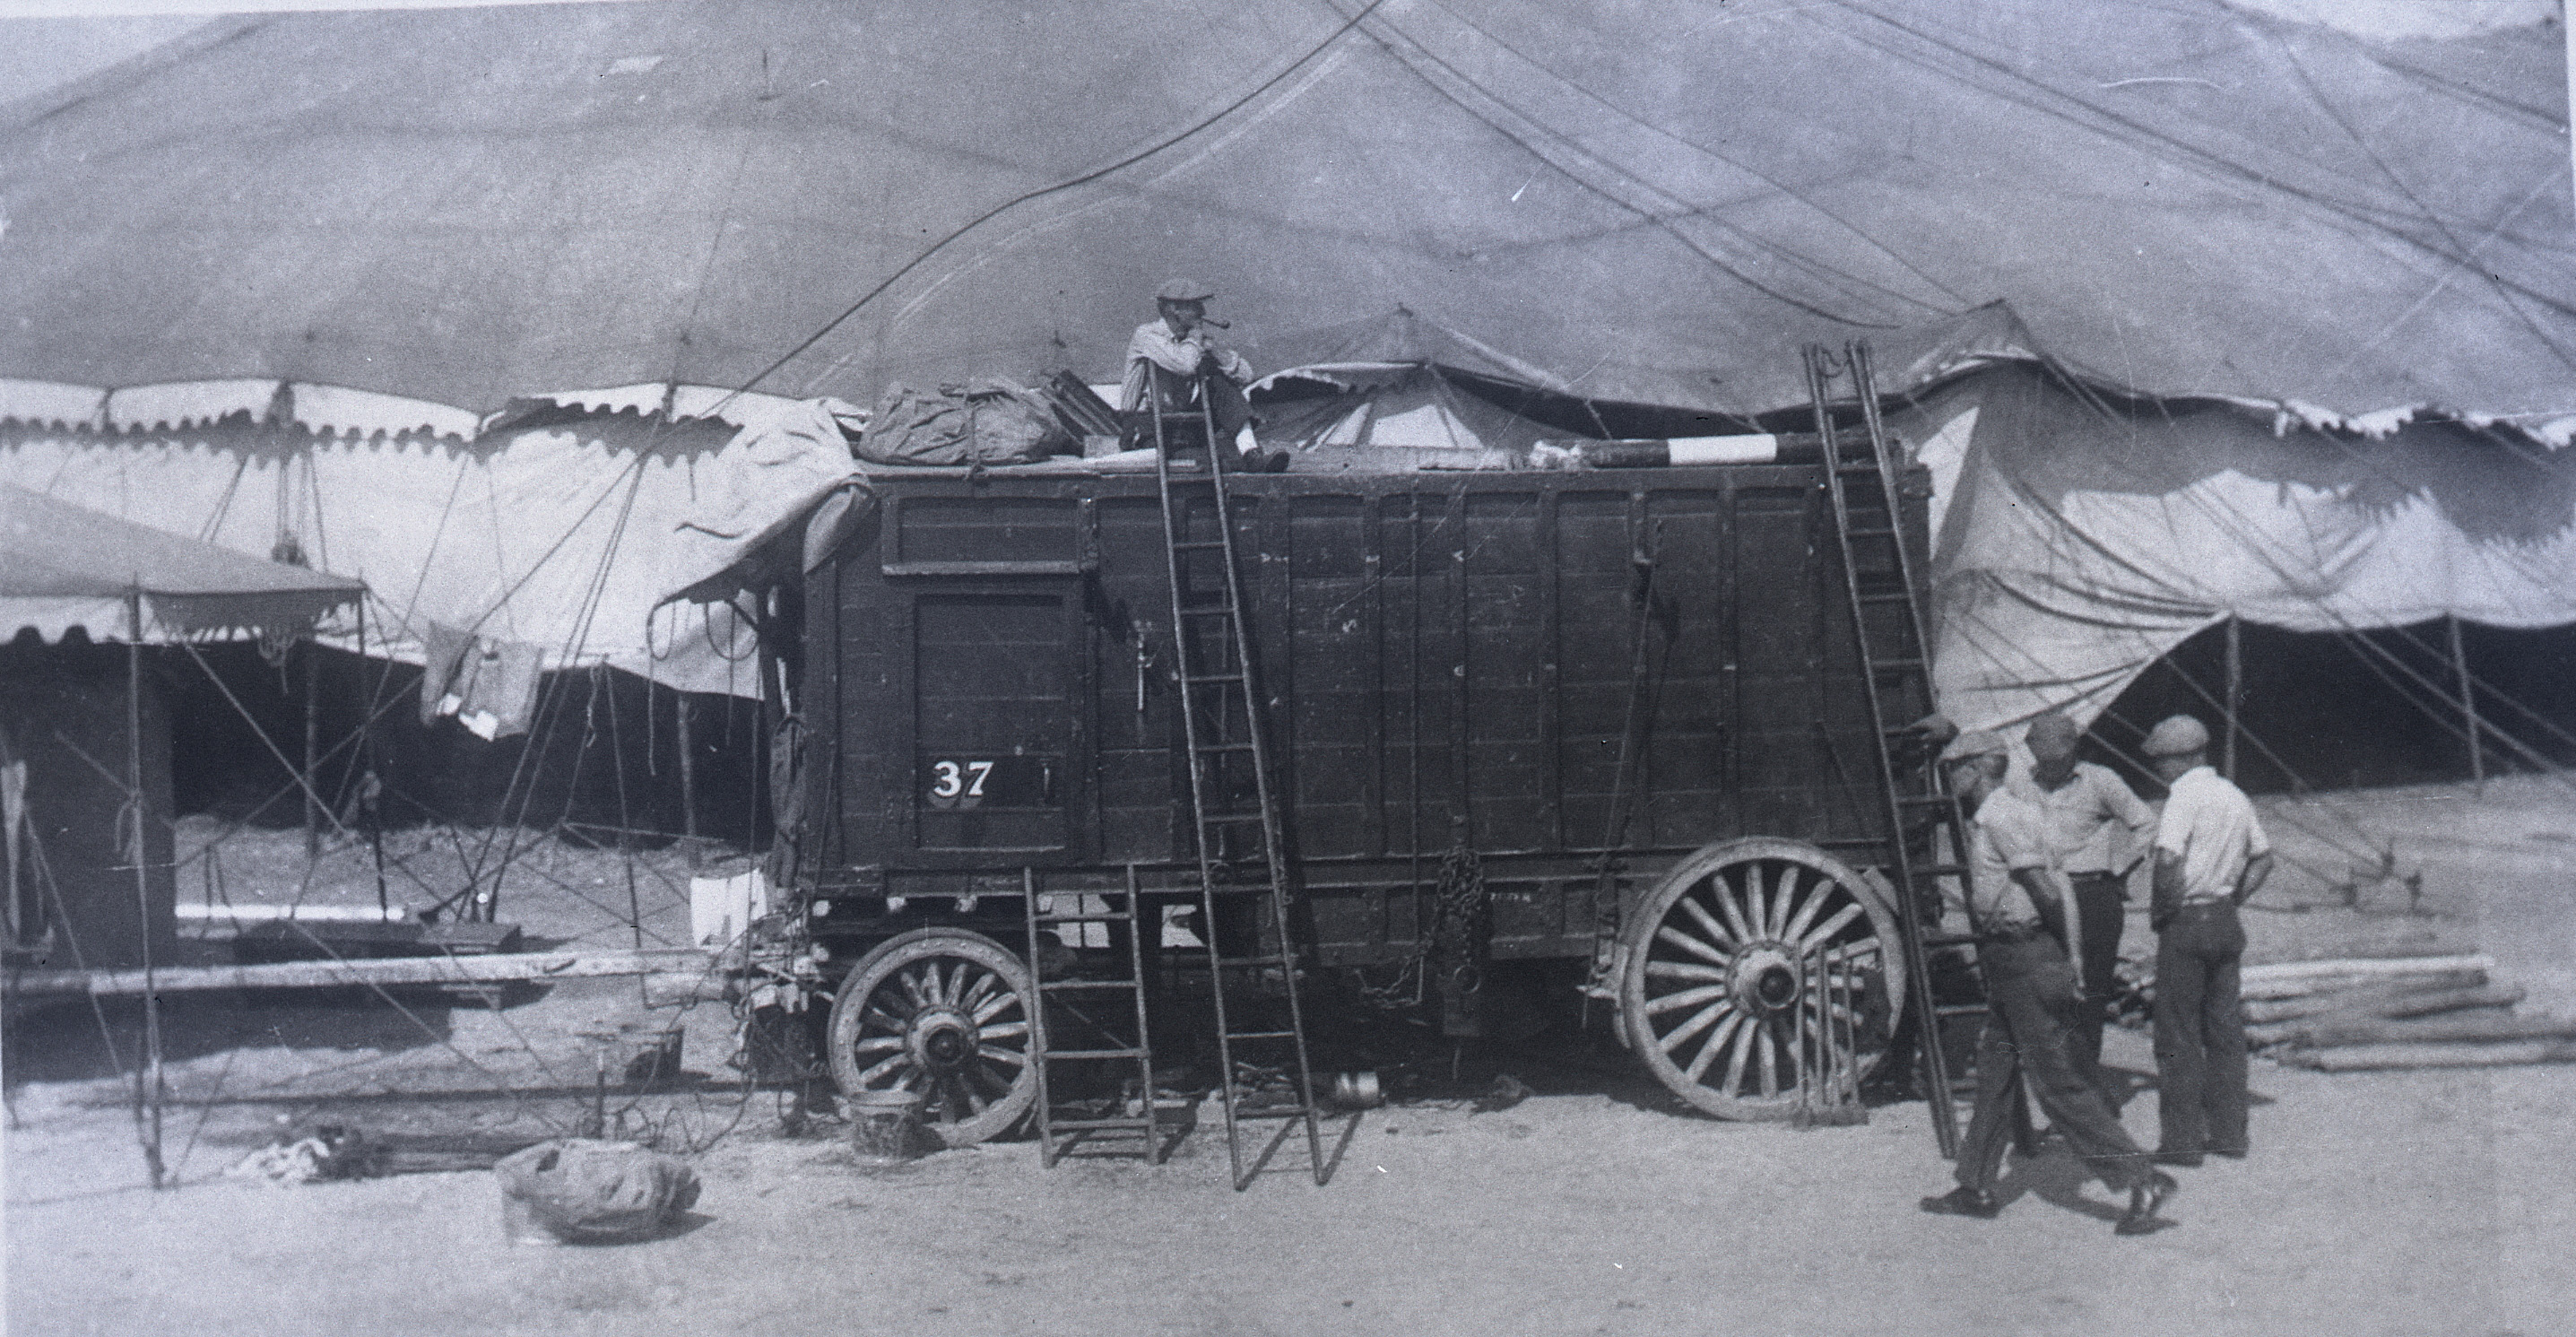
(1682, 998)
(877, 1044)
(1708, 922)
(994, 1007)
(1004, 1031)
(1684, 970)
(1716, 1044)
(1739, 1053)
(1702, 1020)
(984, 985)
(1692, 945)
(877, 1018)
(1770, 1058)
(1725, 893)
(1776, 908)
(1000, 1055)
(885, 1066)
(1824, 933)
(1819, 892)
(910, 982)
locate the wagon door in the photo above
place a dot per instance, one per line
(994, 683)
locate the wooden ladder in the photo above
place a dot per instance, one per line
(1896, 674)
(1240, 850)
(1055, 999)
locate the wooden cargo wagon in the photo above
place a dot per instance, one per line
(1415, 721)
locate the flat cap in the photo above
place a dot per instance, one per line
(2175, 736)
(1184, 290)
(2052, 735)
(1980, 743)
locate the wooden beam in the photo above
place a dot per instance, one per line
(499, 968)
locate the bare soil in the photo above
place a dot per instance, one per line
(2430, 1202)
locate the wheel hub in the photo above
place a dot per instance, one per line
(1765, 979)
(941, 1037)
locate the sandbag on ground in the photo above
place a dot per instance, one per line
(2365, 1058)
(580, 1190)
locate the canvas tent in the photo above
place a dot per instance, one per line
(84, 740)
(556, 535)
(444, 212)
(463, 206)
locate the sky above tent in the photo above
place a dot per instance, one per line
(464, 205)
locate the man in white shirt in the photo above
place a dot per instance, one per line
(1172, 358)
(2017, 903)
(2098, 830)
(2211, 856)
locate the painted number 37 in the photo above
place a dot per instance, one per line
(952, 780)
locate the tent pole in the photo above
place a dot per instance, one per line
(312, 743)
(151, 1092)
(2235, 693)
(688, 774)
(2468, 705)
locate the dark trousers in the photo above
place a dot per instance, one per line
(2101, 912)
(2031, 1004)
(2200, 1030)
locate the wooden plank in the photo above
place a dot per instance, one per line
(496, 969)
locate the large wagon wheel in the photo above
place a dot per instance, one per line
(1716, 970)
(944, 1013)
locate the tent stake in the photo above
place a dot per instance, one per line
(2468, 705)
(2235, 693)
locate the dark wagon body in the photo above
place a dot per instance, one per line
(1448, 660)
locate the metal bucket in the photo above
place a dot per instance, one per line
(1358, 1090)
(885, 1128)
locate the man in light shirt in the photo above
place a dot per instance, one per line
(2017, 903)
(1171, 358)
(2211, 856)
(2098, 829)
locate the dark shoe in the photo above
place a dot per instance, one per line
(2231, 1153)
(2140, 1219)
(1965, 1201)
(1276, 462)
(2189, 1160)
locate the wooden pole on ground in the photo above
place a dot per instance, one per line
(2235, 693)
(2468, 705)
(138, 799)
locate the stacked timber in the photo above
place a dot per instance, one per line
(2360, 1014)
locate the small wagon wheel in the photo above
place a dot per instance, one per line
(1717, 961)
(944, 1013)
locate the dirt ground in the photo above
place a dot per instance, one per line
(2432, 1202)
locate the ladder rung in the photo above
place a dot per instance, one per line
(1054, 1054)
(1872, 532)
(1232, 817)
(1103, 917)
(1886, 598)
(1139, 1124)
(1098, 985)
(1199, 545)
(1252, 961)
(1225, 747)
(1962, 1009)
(1261, 1035)
(1925, 800)
(1212, 610)
(1893, 665)
(1236, 676)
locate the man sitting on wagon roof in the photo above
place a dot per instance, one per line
(1171, 356)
